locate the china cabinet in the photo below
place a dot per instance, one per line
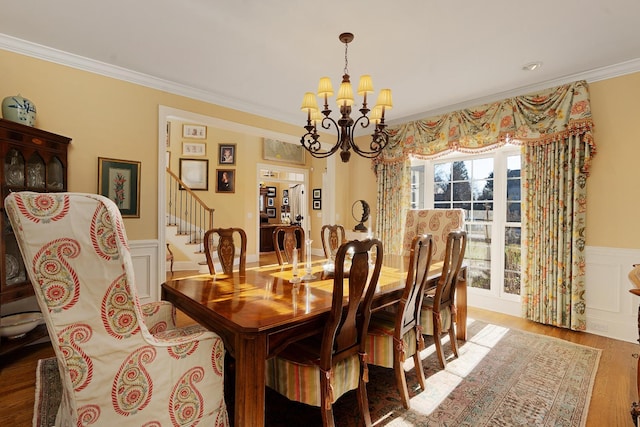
(32, 160)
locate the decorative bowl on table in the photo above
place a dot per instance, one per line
(18, 324)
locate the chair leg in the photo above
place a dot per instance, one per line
(437, 332)
(363, 401)
(419, 370)
(325, 409)
(401, 379)
(452, 338)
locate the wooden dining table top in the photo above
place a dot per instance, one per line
(265, 298)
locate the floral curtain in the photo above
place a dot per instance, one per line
(554, 126)
(393, 204)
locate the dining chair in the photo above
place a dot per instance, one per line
(333, 236)
(226, 249)
(438, 309)
(120, 362)
(317, 370)
(290, 241)
(436, 222)
(395, 336)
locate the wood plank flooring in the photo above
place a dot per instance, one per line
(614, 390)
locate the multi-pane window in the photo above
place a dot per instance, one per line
(488, 189)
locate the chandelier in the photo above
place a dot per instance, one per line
(345, 124)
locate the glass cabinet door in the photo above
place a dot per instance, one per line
(55, 175)
(35, 172)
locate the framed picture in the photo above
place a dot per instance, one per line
(271, 191)
(194, 149)
(194, 131)
(227, 154)
(317, 193)
(285, 201)
(119, 180)
(271, 202)
(285, 193)
(317, 205)
(195, 173)
(271, 212)
(281, 151)
(226, 181)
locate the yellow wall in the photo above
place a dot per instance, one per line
(110, 118)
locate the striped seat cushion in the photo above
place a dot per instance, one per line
(380, 341)
(301, 382)
(426, 318)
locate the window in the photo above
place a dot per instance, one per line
(487, 187)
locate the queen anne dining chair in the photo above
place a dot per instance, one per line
(436, 222)
(438, 309)
(319, 369)
(395, 336)
(226, 249)
(333, 236)
(290, 235)
(120, 362)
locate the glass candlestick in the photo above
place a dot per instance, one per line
(294, 268)
(308, 275)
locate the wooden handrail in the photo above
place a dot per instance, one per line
(194, 216)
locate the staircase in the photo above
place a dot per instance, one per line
(187, 219)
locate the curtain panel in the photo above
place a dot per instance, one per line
(555, 128)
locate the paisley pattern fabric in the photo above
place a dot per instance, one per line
(58, 281)
(438, 223)
(121, 363)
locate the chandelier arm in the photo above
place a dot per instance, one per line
(379, 139)
(310, 140)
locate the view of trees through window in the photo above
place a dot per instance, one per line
(488, 190)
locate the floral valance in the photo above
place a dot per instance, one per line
(535, 119)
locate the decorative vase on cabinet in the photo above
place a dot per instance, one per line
(33, 160)
(20, 110)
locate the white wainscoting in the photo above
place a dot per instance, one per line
(144, 255)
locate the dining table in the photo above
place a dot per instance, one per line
(260, 312)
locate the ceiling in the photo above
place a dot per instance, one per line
(260, 56)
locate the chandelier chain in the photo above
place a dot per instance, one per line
(346, 59)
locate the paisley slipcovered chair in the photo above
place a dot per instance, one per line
(226, 249)
(317, 370)
(333, 236)
(120, 363)
(396, 335)
(436, 222)
(438, 309)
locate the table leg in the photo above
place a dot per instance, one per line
(251, 356)
(461, 305)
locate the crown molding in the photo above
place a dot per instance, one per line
(45, 53)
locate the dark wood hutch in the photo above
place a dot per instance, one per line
(33, 160)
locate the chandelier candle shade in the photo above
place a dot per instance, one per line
(345, 124)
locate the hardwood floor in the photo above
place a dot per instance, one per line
(613, 392)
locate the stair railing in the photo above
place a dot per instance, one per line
(187, 211)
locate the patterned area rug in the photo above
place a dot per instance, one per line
(503, 377)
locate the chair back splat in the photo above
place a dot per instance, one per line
(395, 336)
(319, 369)
(291, 235)
(120, 362)
(333, 236)
(226, 249)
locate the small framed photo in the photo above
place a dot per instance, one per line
(271, 202)
(285, 201)
(317, 193)
(119, 180)
(317, 205)
(271, 212)
(226, 181)
(194, 131)
(285, 193)
(227, 154)
(271, 191)
(195, 173)
(194, 149)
